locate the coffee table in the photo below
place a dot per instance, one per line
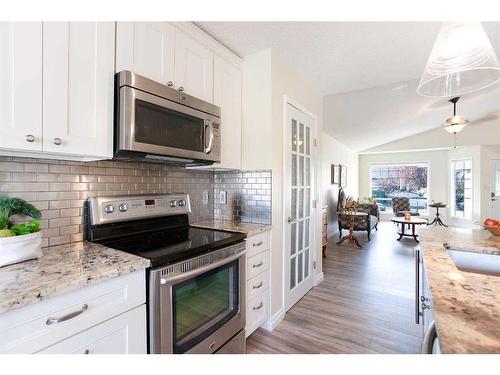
(412, 223)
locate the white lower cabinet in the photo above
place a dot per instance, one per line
(258, 277)
(124, 334)
(108, 317)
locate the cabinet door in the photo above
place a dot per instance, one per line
(123, 334)
(227, 95)
(78, 72)
(21, 85)
(194, 67)
(146, 48)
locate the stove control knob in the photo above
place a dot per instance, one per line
(182, 203)
(123, 207)
(173, 204)
(109, 208)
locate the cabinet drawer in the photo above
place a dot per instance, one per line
(125, 333)
(28, 329)
(257, 284)
(256, 312)
(258, 243)
(257, 264)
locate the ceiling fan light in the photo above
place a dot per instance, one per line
(454, 128)
(461, 61)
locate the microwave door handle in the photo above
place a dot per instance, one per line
(209, 126)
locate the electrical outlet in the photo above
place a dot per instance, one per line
(223, 197)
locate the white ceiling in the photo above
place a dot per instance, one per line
(367, 70)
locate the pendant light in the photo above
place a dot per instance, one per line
(461, 61)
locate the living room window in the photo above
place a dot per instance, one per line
(461, 188)
(400, 180)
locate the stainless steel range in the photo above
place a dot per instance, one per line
(196, 282)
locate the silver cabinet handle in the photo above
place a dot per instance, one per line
(30, 138)
(258, 307)
(260, 264)
(170, 84)
(181, 88)
(291, 220)
(258, 286)
(57, 141)
(67, 317)
(255, 244)
(424, 299)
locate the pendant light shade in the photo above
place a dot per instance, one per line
(461, 61)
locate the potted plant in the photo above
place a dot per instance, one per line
(19, 241)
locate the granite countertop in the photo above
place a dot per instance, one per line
(62, 269)
(250, 229)
(466, 304)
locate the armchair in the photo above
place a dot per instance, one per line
(362, 223)
(400, 205)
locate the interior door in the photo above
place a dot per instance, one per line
(495, 189)
(298, 205)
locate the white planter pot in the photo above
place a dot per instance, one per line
(20, 248)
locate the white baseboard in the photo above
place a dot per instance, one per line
(319, 278)
(273, 321)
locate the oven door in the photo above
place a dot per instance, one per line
(153, 125)
(199, 311)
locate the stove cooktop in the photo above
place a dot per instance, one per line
(165, 247)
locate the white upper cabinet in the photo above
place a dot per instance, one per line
(78, 73)
(194, 67)
(21, 85)
(146, 48)
(227, 95)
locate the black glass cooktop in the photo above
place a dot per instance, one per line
(164, 247)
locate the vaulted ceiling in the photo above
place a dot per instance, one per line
(367, 71)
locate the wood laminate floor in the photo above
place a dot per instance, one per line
(364, 305)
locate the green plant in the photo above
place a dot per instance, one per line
(12, 206)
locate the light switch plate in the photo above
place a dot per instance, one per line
(205, 197)
(223, 197)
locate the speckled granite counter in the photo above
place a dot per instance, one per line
(466, 305)
(230, 226)
(62, 269)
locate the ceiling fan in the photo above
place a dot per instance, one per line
(455, 123)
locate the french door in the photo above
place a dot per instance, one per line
(495, 189)
(298, 204)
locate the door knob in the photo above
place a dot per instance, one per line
(170, 84)
(291, 220)
(30, 138)
(181, 88)
(57, 141)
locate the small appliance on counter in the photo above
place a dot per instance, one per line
(196, 282)
(154, 122)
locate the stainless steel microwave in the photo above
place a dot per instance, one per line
(158, 123)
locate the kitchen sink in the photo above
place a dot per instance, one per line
(469, 261)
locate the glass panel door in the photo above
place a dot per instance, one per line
(203, 304)
(299, 170)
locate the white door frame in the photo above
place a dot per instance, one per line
(290, 101)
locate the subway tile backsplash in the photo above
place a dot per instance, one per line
(248, 196)
(59, 188)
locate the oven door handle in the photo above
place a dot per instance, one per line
(167, 281)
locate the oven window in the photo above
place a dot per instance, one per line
(161, 126)
(203, 304)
